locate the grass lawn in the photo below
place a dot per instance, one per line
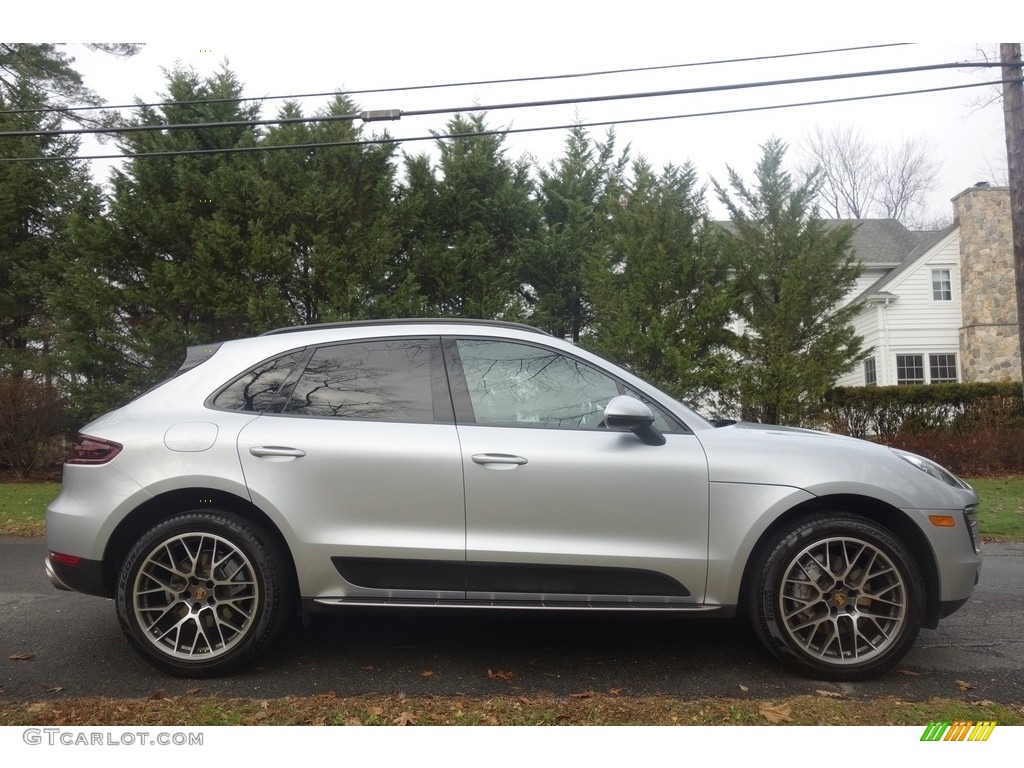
(1001, 514)
(23, 507)
(585, 708)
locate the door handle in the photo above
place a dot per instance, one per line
(276, 450)
(498, 458)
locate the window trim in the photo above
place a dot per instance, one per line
(955, 367)
(873, 370)
(920, 357)
(947, 282)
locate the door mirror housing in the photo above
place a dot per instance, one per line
(627, 414)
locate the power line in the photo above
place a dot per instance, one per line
(394, 114)
(503, 81)
(505, 131)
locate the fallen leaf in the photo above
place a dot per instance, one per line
(22, 656)
(744, 688)
(523, 699)
(776, 713)
(830, 694)
(506, 676)
(584, 695)
(405, 718)
(193, 691)
(56, 689)
(262, 715)
(353, 721)
(157, 694)
(963, 685)
(427, 673)
(983, 703)
(375, 711)
(614, 691)
(909, 672)
(265, 704)
(489, 720)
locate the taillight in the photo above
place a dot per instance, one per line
(92, 450)
(63, 559)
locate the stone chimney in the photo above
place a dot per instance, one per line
(989, 349)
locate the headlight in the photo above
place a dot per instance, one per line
(929, 467)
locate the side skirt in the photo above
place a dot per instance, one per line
(326, 605)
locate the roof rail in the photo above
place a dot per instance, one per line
(405, 321)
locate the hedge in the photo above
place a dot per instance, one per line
(885, 412)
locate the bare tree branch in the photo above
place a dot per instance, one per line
(847, 167)
(907, 174)
(860, 180)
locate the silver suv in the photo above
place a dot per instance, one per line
(487, 464)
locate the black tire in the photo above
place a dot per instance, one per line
(836, 597)
(202, 593)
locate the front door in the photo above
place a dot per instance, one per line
(557, 507)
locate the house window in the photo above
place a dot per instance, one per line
(942, 368)
(942, 289)
(910, 369)
(870, 374)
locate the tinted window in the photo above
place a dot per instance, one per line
(521, 385)
(257, 389)
(379, 380)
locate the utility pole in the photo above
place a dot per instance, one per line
(1013, 116)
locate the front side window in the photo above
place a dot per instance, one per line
(514, 384)
(942, 288)
(257, 389)
(909, 369)
(386, 380)
(511, 384)
(942, 368)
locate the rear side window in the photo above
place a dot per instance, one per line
(387, 380)
(257, 389)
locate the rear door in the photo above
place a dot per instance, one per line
(362, 469)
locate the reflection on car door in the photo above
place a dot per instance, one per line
(559, 507)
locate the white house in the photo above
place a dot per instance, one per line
(938, 306)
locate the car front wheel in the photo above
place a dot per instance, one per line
(837, 597)
(202, 593)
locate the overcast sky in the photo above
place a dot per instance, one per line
(316, 47)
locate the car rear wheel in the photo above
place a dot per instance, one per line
(837, 597)
(202, 593)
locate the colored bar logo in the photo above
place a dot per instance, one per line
(958, 731)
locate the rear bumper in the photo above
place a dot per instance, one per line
(86, 576)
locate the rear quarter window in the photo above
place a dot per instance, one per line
(257, 390)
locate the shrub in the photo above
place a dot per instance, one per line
(31, 422)
(886, 412)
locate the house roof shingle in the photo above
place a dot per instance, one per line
(876, 242)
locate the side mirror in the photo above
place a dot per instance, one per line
(627, 414)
